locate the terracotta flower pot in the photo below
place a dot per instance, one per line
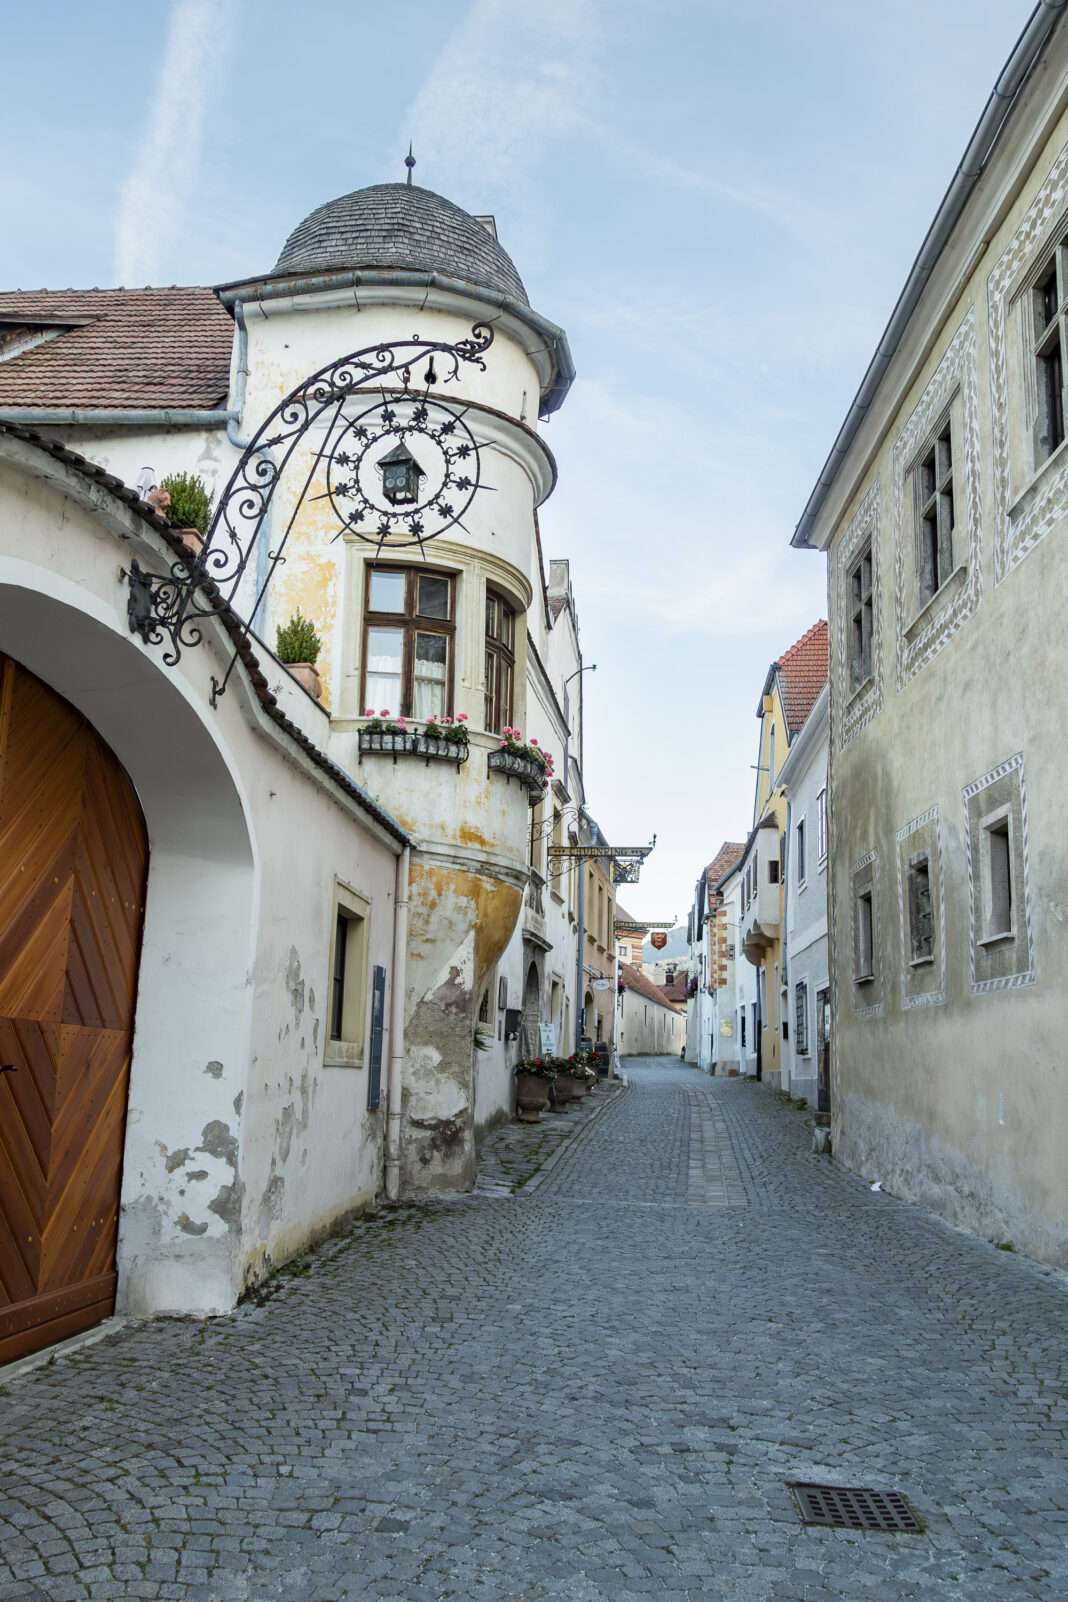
(192, 539)
(531, 1095)
(306, 676)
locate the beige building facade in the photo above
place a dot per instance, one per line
(944, 514)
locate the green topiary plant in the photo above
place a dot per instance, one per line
(190, 502)
(298, 641)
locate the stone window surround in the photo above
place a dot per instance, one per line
(822, 833)
(802, 850)
(866, 986)
(936, 996)
(349, 902)
(976, 819)
(802, 1039)
(952, 393)
(1029, 498)
(862, 703)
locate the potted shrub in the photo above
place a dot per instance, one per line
(298, 649)
(534, 1078)
(189, 509)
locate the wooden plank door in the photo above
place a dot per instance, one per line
(73, 865)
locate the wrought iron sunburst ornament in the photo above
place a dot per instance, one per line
(357, 457)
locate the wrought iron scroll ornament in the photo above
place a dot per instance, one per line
(350, 445)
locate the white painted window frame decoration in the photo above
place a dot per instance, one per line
(922, 629)
(802, 850)
(936, 996)
(1021, 933)
(861, 704)
(1030, 498)
(822, 832)
(802, 1045)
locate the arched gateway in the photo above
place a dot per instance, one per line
(73, 866)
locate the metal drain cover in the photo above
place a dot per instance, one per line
(854, 1507)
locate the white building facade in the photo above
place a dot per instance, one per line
(806, 1002)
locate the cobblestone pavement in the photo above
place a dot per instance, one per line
(595, 1385)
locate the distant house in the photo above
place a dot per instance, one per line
(793, 683)
(650, 1024)
(806, 985)
(709, 959)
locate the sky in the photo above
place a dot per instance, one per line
(719, 202)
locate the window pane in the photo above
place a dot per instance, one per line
(385, 653)
(431, 664)
(491, 617)
(507, 626)
(387, 592)
(433, 597)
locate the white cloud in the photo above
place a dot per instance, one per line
(156, 195)
(509, 81)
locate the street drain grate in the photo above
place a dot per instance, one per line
(853, 1507)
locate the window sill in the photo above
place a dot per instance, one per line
(941, 597)
(922, 962)
(861, 689)
(1002, 938)
(342, 1054)
(1030, 490)
(864, 979)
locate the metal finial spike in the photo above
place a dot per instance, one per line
(409, 162)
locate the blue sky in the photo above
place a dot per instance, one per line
(718, 201)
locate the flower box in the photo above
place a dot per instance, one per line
(528, 770)
(411, 743)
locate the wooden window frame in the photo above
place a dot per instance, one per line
(920, 910)
(412, 624)
(499, 716)
(935, 512)
(862, 616)
(1049, 348)
(354, 910)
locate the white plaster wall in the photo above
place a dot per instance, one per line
(807, 943)
(125, 451)
(242, 847)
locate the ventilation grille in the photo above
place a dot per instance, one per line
(852, 1507)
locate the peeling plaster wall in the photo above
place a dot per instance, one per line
(239, 1147)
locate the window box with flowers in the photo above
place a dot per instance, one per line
(526, 762)
(446, 738)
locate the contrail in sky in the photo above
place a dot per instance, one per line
(165, 166)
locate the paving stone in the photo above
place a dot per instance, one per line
(589, 1381)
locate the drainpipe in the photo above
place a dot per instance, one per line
(263, 546)
(581, 866)
(396, 1026)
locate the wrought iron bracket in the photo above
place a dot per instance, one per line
(156, 609)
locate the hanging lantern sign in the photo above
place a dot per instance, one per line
(658, 939)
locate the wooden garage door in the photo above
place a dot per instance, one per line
(73, 862)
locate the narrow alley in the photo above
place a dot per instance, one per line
(593, 1378)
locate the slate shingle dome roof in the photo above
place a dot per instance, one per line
(400, 226)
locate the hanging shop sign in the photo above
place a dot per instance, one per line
(658, 939)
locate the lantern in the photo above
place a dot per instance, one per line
(658, 939)
(400, 476)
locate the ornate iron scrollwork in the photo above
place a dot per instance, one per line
(345, 462)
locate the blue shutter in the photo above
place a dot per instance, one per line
(378, 1014)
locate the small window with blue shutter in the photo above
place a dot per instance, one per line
(345, 1043)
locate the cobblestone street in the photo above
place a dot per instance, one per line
(592, 1379)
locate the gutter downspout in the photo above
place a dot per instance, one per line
(1025, 53)
(396, 1027)
(241, 445)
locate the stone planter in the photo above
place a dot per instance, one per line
(306, 677)
(531, 774)
(412, 744)
(569, 1089)
(531, 1096)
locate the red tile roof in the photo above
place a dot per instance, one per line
(802, 673)
(633, 980)
(123, 349)
(728, 854)
(676, 990)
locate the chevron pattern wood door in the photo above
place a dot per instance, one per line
(73, 864)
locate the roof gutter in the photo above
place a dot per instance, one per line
(987, 131)
(144, 417)
(270, 288)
